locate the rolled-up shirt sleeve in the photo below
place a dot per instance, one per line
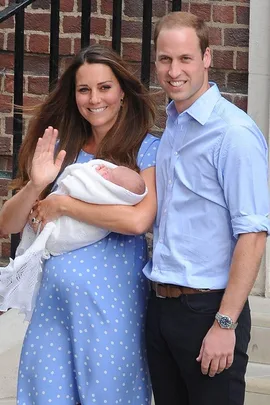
(243, 174)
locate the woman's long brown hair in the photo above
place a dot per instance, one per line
(121, 143)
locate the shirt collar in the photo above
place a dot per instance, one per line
(202, 108)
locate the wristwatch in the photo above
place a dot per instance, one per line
(225, 322)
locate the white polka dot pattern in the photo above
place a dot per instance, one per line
(85, 343)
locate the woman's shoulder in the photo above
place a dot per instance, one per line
(150, 138)
(147, 152)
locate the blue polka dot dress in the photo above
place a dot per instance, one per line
(85, 343)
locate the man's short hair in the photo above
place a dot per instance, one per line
(181, 19)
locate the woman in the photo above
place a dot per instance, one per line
(85, 342)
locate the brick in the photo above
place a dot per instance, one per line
(93, 6)
(242, 61)
(185, 7)
(201, 10)
(38, 85)
(5, 103)
(36, 64)
(98, 26)
(240, 1)
(132, 29)
(223, 14)
(236, 37)
(10, 41)
(135, 9)
(159, 8)
(65, 46)
(3, 187)
(242, 15)
(38, 43)
(215, 36)
(6, 162)
(66, 5)
(42, 4)
(77, 44)
(6, 61)
(132, 51)
(161, 117)
(105, 42)
(219, 78)
(5, 145)
(237, 82)
(159, 97)
(9, 125)
(64, 62)
(9, 23)
(71, 24)
(106, 7)
(32, 101)
(37, 22)
(228, 97)
(223, 59)
(241, 102)
(1, 40)
(9, 163)
(9, 83)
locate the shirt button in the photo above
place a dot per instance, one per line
(165, 211)
(176, 153)
(170, 182)
(161, 240)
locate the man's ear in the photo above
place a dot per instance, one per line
(207, 58)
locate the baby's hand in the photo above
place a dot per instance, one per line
(99, 167)
(103, 171)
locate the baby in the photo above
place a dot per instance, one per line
(95, 182)
(123, 177)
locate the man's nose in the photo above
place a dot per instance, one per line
(175, 69)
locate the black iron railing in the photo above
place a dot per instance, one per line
(17, 10)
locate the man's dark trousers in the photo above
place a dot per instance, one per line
(175, 330)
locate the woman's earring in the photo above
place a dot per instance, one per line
(122, 102)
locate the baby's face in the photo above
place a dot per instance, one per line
(105, 172)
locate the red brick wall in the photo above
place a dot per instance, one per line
(229, 33)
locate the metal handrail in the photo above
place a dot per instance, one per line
(12, 9)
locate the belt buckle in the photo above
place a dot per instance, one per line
(156, 291)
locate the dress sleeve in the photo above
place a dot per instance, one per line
(243, 173)
(147, 153)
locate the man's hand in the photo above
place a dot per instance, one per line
(217, 350)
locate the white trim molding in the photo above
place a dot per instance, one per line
(259, 99)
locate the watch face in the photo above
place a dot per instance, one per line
(225, 322)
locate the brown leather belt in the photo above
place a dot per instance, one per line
(174, 291)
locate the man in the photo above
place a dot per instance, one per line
(210, 231)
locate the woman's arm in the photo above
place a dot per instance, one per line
(15, 211)
(117, 218)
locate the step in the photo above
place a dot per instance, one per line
(12, 327)
(259, 348)
(8, 401)
(257, 384)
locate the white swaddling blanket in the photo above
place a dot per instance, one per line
(20, 280)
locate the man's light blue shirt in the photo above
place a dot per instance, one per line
(212, 185)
